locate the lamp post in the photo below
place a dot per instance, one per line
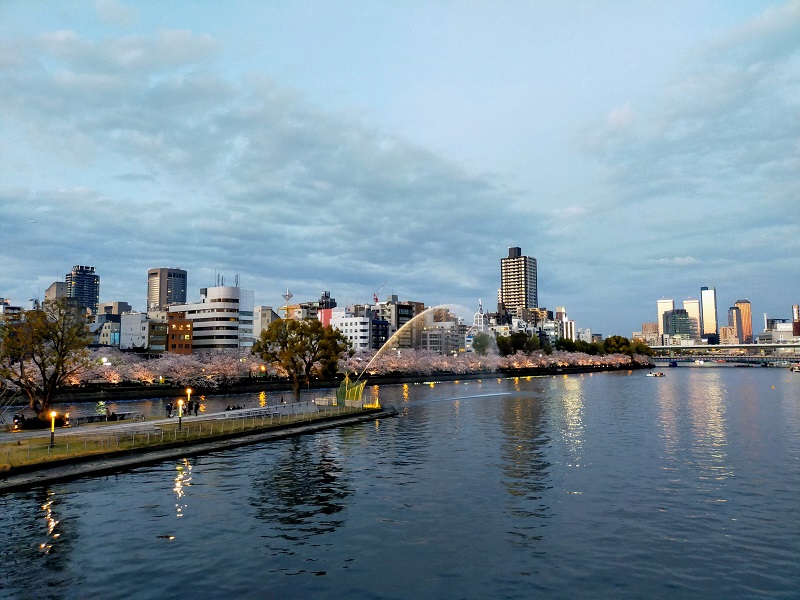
(52, 427)
(180, 413)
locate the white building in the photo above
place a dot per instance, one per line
(355, 329)
(222, 319)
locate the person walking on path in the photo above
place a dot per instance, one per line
(168, 408)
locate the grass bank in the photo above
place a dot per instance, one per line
(29, 461)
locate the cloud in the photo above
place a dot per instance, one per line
(116, 13)
(677, 261)
(238, 177)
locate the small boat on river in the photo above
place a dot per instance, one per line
(656, 374)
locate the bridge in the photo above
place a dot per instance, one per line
(754, 354)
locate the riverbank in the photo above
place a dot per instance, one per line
(121, 392)
(86, 463)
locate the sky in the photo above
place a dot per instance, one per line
(638, 150)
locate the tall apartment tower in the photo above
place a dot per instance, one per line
(746, 334)
(708, 312)
(518, 282)
(83, 284)
(165, 286)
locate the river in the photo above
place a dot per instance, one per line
(607, 485)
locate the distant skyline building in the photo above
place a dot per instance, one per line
(518, 282)
(796, 319)
(735, 323)
(165, 286)
(83, 284)
(692, 308)
(663, 306)
(708, 312)
(675, 323)
(746, 311)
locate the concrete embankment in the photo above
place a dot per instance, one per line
(80, 466)
(116, 393)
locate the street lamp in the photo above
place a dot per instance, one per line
(180, 412)
(52, 427)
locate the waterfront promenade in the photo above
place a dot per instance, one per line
(112, 446)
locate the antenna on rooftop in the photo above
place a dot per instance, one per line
(287, 296)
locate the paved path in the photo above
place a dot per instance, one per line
(112, 427)
(110, 463)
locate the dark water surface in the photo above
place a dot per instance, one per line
(595, 486)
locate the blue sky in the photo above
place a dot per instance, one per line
(638, 150)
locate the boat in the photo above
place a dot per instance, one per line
(795, 368)
(656, 374)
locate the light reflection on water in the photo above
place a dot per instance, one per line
(603, 486)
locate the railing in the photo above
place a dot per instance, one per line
(17, 451)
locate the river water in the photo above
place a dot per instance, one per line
(587, 486)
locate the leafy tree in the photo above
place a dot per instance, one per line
(44, 351)
(482, 343)
(517, 342)
(301, 348)
(639, 347)
(617, 344)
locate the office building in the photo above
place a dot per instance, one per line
(83, 284)
(222, 319)
(746, 313)
(518, 283)
(692, 308)
(708, 314)
(676, 324)
(735, 323)
(662, 306)
(165, 287)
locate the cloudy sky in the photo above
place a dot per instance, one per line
(638, 150)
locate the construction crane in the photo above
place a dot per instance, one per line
(380, 289)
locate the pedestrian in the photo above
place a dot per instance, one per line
(196, 407)
(168, 408)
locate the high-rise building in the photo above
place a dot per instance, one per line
(165, 286)
(735, 323)
(518, 282)
(796, 319)
(692, 308)
(83, 284)
(746, 332)
(676, 323)
(708, 313)
(662, 306)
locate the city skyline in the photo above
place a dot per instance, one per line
(630, 148)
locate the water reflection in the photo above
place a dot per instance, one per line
(572, 429)
(37, 542)
(525, 466)
(183, 479)
(303, 494)
(707, 409)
